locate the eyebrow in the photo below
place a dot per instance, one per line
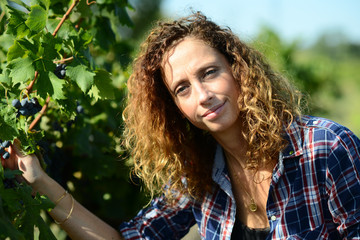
(198, 72)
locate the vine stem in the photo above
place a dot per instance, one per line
(29, 88)
(89, 3)
(66, 15)
(64, 60)
(41, 113)
(2, 15)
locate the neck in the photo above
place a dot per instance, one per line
(233, 144)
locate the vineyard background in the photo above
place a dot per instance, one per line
(82, 150)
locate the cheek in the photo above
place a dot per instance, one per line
(186, 109)
(183, 107)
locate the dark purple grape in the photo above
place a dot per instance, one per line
(6, 155)
(24, 112)
(79, 109)
(2, 151)
(16, 103)
(6, 144)
(25, 102)
(29, 107)
(35, 101)
(33, 111)
(60, 70)
(9, 183)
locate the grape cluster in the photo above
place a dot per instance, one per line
(26, 107)
(3, 145)
(60, 70)
(9, 183)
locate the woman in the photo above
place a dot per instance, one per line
(220, 136)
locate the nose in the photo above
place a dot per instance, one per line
(203, 93)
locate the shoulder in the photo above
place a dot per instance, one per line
(322, 124)
(321, 137)
(310, 129)
(323, 140)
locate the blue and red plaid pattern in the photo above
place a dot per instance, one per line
(314, 192)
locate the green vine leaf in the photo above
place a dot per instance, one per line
(29, 140)
(28, 46)
(16, 25)
(50, 46)
(7, 229)
(45, 232)
(5, 78)
(48, 84)
(82, 76)
(43, 3)
(57, 85)
(44, 65)
(37, 18)
(8, 122)
(15, 51)
(102, 88)
(21, 69)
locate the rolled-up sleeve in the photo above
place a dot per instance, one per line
(343, 184)
(161, 220)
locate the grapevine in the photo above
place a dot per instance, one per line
(49, 77)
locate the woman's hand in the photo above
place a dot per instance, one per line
(28, 164)
(81, 223)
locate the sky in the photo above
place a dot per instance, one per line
(302, 20)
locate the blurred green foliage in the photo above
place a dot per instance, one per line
(327, 73)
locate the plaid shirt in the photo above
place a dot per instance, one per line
(314, 192)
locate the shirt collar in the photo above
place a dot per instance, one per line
(220, 172)
(294, 136)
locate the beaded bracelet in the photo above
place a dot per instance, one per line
(71, 210)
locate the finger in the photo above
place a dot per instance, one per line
(11, 162)
(16, 148)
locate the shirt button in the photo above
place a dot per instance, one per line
(273, 218)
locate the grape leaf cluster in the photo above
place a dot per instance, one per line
(26, 107)
(60, 70)
(3, 145)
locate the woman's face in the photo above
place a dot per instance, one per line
(203, 87)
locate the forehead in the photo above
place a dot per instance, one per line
(188, 53)
(184, 45)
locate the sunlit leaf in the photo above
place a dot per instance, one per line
(21, 70)
(102, 88)
(37, 18)
(82, 76)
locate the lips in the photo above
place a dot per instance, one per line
(213, 109)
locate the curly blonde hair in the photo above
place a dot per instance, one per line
(166, 148)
